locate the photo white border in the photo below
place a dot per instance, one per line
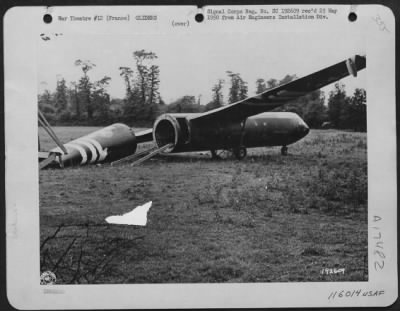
(22, 26)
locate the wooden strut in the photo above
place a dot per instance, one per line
(47, 161)
(49, 130)
(52, 155)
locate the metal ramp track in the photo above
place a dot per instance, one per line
(133, 156)
(147, 154)
(152, 154)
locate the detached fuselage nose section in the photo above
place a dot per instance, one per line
(107, 144)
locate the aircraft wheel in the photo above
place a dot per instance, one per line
(240, 153)
(284, 150)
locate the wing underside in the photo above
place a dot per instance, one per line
(283, 94)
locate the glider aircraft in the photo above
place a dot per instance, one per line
(236, 127)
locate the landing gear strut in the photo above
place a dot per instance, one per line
(214, 155)
(284, 150)
(240, 153)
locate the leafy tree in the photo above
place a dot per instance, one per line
(74, 99)
(162, 102)
(347, 112)
(117, 106)
(46, 102)
(314, 111)
(154, 83)
(271, 83)
(127, 74)
(61, 96)
(131, 100)
(358, 110)
(287, 79)
(309, 107)
(101, 99)
(293, 106)
(153, 91)
(243, 89)
(147, 74)
(185, 104)
(142, 89)
(85, 85)
(260, 86)
(217, 96)
(93, 94)
(238, 89)
(338, 106)
(140, 57)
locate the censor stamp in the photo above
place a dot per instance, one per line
(47, 278)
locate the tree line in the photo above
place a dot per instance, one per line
(87, 101)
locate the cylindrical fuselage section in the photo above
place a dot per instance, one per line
(107, 144)
(265, 129)
(173, 128)
(166, 130)
(274, 129)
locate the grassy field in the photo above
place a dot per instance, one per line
(266, 218)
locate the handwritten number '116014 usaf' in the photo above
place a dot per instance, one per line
(355, 293)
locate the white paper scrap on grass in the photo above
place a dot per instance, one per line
(137, 217)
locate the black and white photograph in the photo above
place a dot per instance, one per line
(170, 167)
(178, 156)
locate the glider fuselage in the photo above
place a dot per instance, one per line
(118, 140)
(265, 129)
(247, 123)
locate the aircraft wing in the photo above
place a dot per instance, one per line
(282, 94)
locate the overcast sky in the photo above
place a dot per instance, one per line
(191, 65)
